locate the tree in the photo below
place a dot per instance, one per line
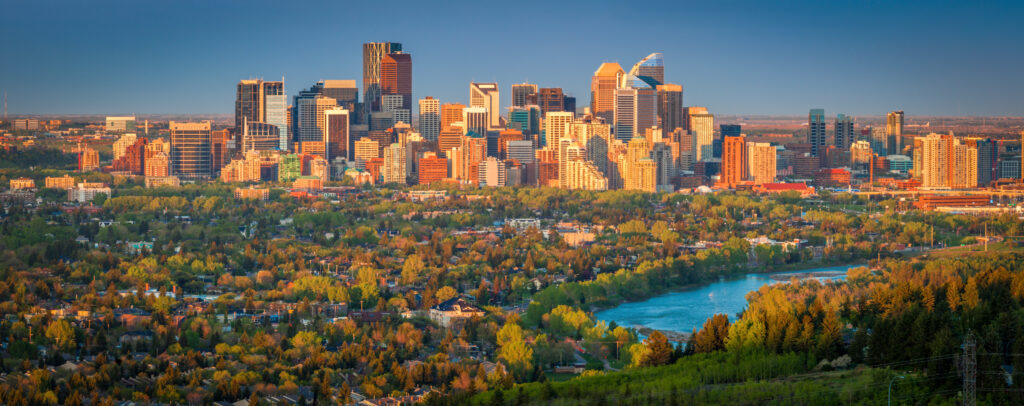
(659, 352)
(61, 334)
(712, 336)
(513, 349)
(445, 293)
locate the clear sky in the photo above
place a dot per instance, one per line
(735, 57)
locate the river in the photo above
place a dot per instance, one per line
(685, 310)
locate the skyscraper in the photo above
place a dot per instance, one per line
(670, 107)
(556, 127)
(651, 70)
(734, 161)
(816, 131)
(701, 124)
(844, 131)
(336, 130)
(475, 120)
(761, 162)
(521, 94)
(730, 130)
(396, 77)
(276, 111)
(451, 113)
(492, 172)
(635, 111)
(550, 99)
(259, 101)
(894, 129)
(311, 117)
(602, 90)
(257, 136)
(190, 150)
(373, 53)
(430, 118)
(248, 102)
(485, 95)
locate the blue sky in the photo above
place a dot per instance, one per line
(735, 57)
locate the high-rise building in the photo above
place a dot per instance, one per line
(122, 144)
(556, 127)
(113, 124)
(937, 151)
(365, 150)
(451, 113)
(430, 118)
(492, 172)
(636, 108)
(734, 161)
(475, 120)
(485, 95)
(526, 119)
(524, 153)
(651, 70)
(730, 130)
(373, 54)
(336, 130)
(133, 158)
(448, 138)
(248, 102)
(472, 152)
(843, 131)
(392, 103)
(602, 90)
(550, 99)
(259, 101)
(701, 124)
(311, 117)
(158, 165)
(761, 162)
(894, 129)
(259, 136)
(506, 136)
(661, 154)
(816, 131)
(190, 150)
(670, 107)
(432, 168)
(395, 164)
(396, 77)
(521, 94)
(568, 151)
(88, 159)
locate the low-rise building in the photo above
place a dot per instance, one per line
(22, 183)
(87, 191)
(61, 182)
(454, 311)
(158, 181)
(252, 193)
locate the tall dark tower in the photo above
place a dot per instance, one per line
(816, 131)
(373, 53)
(396, 77)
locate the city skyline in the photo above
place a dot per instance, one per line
(725, 70)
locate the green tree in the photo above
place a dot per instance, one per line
(61, 334)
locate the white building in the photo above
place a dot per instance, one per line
(85, 192)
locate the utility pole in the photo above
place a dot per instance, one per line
(970, 369)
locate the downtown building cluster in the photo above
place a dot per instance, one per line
(635, 134)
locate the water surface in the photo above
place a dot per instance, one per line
(683, 311)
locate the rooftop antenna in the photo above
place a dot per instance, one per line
(5, 105)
